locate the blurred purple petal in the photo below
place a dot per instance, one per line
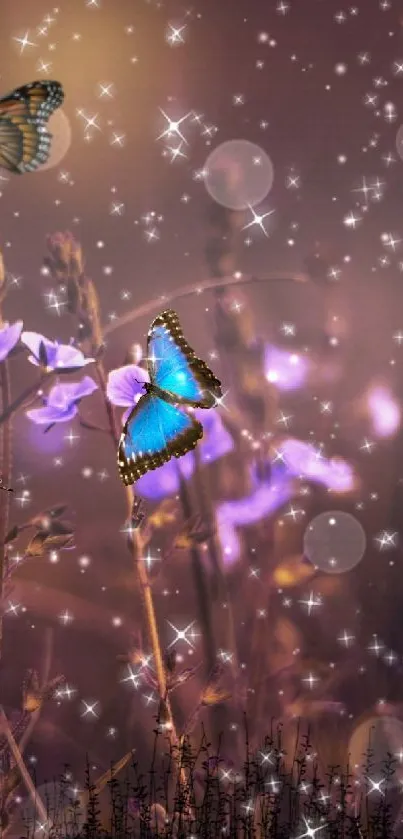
(164, 481)
(49, 414)
(304, 460)
(9, 337)
(284, 369)
(264, 500)
(122, 387)
(216, 441)
(384, 412)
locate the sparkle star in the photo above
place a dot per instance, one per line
(258, 220)
(310, 831)
(311, 603)
(89, 709)
(24, 42)
(105, 90)
(173, 127)
(174, 36)
(176, 152)
(183, 634)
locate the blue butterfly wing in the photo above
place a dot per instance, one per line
(154, 432)
(174, 366)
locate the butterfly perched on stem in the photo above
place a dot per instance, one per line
(159, 426)
(25, 142)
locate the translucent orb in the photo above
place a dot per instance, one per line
(381, 735)
(239, 174)
(334, 542)
(399, 142)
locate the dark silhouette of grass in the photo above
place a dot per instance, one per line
(264, 796)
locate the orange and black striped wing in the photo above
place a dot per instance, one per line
(25, 141)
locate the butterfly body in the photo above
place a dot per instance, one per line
(25, 142)
(160, 426)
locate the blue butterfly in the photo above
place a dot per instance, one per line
(159, 427)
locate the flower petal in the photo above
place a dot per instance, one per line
(33, 341)
(263, 501)
(216, 441)
(49, 414)
(122, 387)
(70, 357)
(9, 337)
(63, 395)
(164, 481)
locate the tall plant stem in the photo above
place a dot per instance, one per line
(198, 288)
(145, 587)
(201, 584)
(5, 470)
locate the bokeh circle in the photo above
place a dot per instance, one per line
(399, 142)
(382, 735)
(238, 174)
(334, 542)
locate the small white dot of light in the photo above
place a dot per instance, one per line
(86, 472)
(53, 557)
(340, 69)
(100, 244)
(116, 622)
(84, 561)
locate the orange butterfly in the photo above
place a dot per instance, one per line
(24, 141)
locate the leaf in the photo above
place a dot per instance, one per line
(215, 696)
(183, 677)
(73, 295)
(43, 542)
(43, 356)
(292, 572)
(61, 528)
(171, 660)
(12, 534)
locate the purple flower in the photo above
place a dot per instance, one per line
(284, 369)
(215, 443)
(61, 403)
(384, 412)
(9, 337)
(124, 388)
(64, 358)
(266, 498)
(303, 460)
